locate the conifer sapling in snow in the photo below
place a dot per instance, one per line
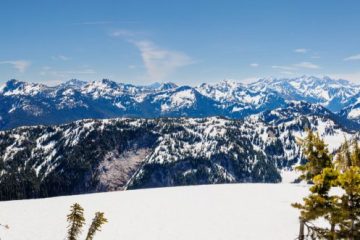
(96, 224)
(76, 221)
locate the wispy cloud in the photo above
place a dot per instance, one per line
(254, 65)
(123, 33)
(301, 50)
(287, 72)
(60, 57)
(48, 71)
(160, 62)
(104, 22)
(286, 68)
(352, 58)
(20, 65)
(291, 69)
(94, 23)
(307, 65)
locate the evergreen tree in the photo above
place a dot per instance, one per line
(317, 155)
(345, 151)
(76, 221)
(349, 181)
(96, 224)
(355, 156)
(341, 211)
(319, 204)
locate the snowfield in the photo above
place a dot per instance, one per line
(212, 212)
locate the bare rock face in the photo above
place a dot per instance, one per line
(117, 168)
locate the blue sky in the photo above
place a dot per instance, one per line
(187, 42)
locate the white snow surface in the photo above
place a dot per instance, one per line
(212, 212)
(354, 113)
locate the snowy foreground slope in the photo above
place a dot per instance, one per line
(212, 212)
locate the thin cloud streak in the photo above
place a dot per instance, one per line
(104, 22)
(307, 65)
(123, 33)
(60, 57)
(94, 23)
(301, 50)
(47, 71)
(160, 62)
(20, 65)
(352, 58)
(287, 68)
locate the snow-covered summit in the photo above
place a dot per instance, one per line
(166, 86)
(331, 93)
(14, 87)
(73, 83)
(106, 98)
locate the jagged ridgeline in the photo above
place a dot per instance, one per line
(105, 155)
(24, 104)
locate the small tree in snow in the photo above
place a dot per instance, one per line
(96, 224)
(76, 222)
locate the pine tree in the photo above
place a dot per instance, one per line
(355, 156)
(340, 162)
(317, 155)
(319, 204)
(341, 211)
(349, 181)
(76, 221)
(96, 224)
(346, 154)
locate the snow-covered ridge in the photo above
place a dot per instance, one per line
(331, 93)
(352, 110)
(77, 99)
(114, 154)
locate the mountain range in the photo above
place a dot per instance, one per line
(127, 153)
(83, 137)
(24, 104)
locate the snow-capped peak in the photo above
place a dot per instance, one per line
(227, 98)
(74, 83)
(167, 86)
(329, 92)
(15, 87)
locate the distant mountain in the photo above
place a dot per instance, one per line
(352, 110)
(238, 100)
(73, 83)
(25, 104)
(112, 154)
(332, 94)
